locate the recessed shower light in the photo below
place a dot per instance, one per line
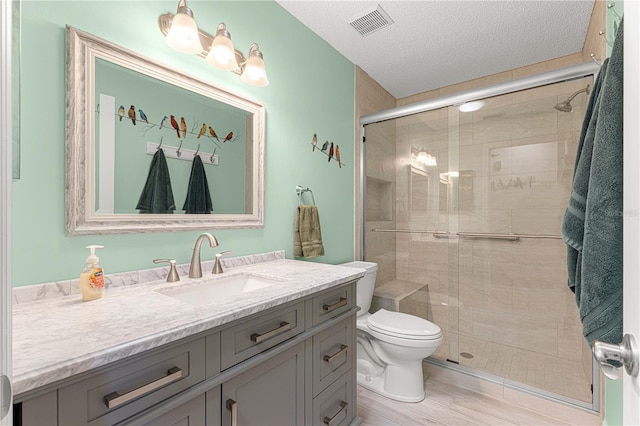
(471, 106)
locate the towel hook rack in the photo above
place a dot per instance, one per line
(301, 190)
(178, 151)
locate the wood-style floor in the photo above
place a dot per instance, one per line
(451, 404)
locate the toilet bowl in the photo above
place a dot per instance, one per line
(391, 345)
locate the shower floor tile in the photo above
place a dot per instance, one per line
(562, 376)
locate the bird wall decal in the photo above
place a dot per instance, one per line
(314, 141)
(228, 138)
(330, 152)
(174, 124)
(121, 112)
(338, 156)
(325, 146)
(183, 126)
(213, 134)
(143, 116)
(202, 130)
(132, 114)
(163, 122)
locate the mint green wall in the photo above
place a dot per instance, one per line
(311, 90)
(613, 389)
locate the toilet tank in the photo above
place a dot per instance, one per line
(366, 285)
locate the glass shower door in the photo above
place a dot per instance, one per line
(517, 319)
(463, 213)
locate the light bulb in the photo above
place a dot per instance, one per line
(222, 54)
(183, 34)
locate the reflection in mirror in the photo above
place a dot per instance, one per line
(122, 108)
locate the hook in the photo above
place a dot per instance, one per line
(160, 146)
(604, 38)
(197, 150)
(178, 152)
(611, 6)
(596, 60)
(212, 154)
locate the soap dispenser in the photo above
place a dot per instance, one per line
(92, 276)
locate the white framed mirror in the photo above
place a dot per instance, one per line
(121, 108)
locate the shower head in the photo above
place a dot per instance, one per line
(565, 106)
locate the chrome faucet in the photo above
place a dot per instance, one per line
(195, 269)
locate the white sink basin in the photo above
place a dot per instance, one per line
(203, 292)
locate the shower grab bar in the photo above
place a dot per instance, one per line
(489, 236)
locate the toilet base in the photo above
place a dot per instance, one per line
(376, 384)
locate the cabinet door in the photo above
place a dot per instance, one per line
(270, 394)
(190, 413)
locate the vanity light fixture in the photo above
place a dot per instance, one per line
(181, 33)
(425, 158)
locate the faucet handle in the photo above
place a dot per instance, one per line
(173, 273)
(217, 267)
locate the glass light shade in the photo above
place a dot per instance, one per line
(426, 159)
(471, 106)
(222, 54)
(183, 34)
(254, 72)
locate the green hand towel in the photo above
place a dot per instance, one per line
(198, 199)
(597, 197)
(157, 195)
(307, 241)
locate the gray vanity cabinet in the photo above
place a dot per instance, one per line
(271, 393)
(293, 364)
(190, 413)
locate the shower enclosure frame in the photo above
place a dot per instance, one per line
(560, 75)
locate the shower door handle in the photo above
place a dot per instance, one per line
(625, 353)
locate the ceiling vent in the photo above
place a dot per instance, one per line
(370, 21)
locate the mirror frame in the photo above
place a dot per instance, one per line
(81, 215)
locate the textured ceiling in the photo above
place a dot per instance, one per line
(433, 44)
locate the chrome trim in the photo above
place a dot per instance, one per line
(491, 236)
(556, 76)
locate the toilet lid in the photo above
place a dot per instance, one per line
(401, 324)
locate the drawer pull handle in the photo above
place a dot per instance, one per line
(114, 399)
(340, 303)
(259, 338)
(329, 421)
(233, 407)
(330, 358)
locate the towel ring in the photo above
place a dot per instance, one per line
(300, 190)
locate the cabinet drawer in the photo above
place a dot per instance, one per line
(126, 388)
(335, 406)
(190, 413)
(259, 333)
(332, 354)
(332, 303)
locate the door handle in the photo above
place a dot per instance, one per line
(625, 353)
(233, 407)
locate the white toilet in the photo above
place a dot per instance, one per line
(391, 345)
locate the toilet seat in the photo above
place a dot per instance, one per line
(404, 326)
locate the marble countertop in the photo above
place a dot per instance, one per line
(57, 338)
